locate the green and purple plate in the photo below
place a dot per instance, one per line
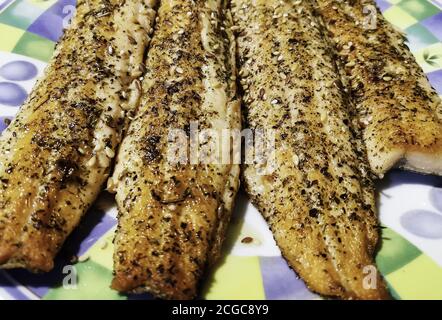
(410, 205)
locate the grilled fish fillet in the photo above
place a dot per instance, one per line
(56, 154)
(173, 216)
(401, 112)
(315, 194)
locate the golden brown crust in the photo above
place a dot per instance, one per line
(318, 200)
(401, 112)
(56, 153)
(172, 217)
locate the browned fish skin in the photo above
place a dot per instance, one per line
(319, 199)
(172, 217)
(56, 154)
(401, 112)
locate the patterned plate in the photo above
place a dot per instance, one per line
(252, 267)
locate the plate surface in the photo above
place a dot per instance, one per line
(410, 205)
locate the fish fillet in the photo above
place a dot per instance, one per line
(400, 112)
(56, 154)
(172, 216)
(315, 194)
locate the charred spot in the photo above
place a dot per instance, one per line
(66, 167)
(354, 216)
(88, 110)
(173, 88)
(313, 212)
(151, 152)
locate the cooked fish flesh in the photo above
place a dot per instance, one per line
(56, 154)
(315, 191)
(173, 215)
(401, 112)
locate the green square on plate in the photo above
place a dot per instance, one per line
(35, 46)
(420, 9)
(10, 37)
(399, 17)
(395, 252)
(21, 14)
(419, 37)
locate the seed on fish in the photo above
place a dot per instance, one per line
(387, 78)
(274, 101)
(110, 50)
(109, 152)
(132, 41)
(103, 160)
(102, 14)
(92, 161)
(179, 70)
(142, 67)
(296, 159)
(138, 85)
(110, 185)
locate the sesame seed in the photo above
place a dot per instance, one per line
(295, 159)
(92, 161)
(109, 152)
(83, 258)
(103, 245)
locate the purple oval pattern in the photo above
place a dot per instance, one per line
(18, 71)
(12, 94)
(423, 223)
(436, 198)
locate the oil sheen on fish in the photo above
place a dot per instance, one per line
(401, 112)
(173, 216)
(56, 154)
(317, 197)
